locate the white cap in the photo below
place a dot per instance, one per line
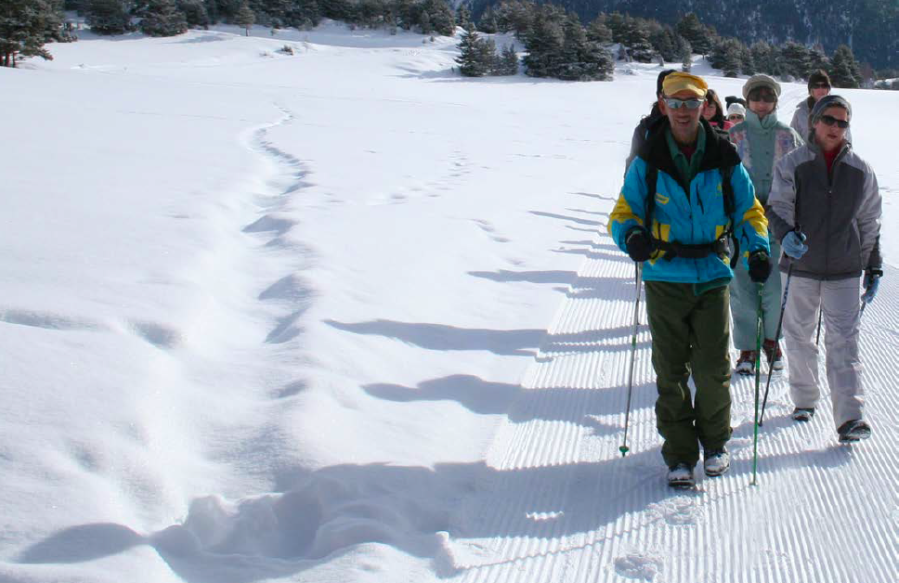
(736, 109)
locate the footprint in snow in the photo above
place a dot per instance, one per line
(677, 511)
(638, 566)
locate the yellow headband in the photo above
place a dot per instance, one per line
(678, 81)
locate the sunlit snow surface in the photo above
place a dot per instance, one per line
(344, 316)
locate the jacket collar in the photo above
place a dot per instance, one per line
(718, 151)
(765, 125)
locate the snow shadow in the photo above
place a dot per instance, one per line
(82, 543)
(606, 287)
(506, 276)
(617, 339)
(205, 38)
(596, 196)
(576, 220)
(520, 405)
(617, 256)
(416, 510)
(442, 337)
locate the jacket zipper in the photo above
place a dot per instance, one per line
(830, 179)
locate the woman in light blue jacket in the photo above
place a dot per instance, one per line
(761, 140)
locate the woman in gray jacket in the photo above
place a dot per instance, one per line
(825, 208)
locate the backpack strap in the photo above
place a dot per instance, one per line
(688, 251)
(652, 178)
(730, 209)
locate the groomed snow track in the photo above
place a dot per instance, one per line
(566, 507)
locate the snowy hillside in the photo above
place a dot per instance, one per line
(346, 316)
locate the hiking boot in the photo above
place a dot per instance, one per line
(681, 476)
(746, 362)
(773, 354)
(803, 414)
(717, 462)
(855, 430)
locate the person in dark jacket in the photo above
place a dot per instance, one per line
(642, 129)
(825, 207)
(713, 113)
(686, 269)
(818, 86)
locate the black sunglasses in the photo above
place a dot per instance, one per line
(763, 96)
(820, 86)
(831, 120)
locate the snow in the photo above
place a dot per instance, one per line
(346, 316)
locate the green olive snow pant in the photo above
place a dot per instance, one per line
(690, 335)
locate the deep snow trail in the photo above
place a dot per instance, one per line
(568, 508)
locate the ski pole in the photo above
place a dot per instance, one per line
(780, 322)
(630, 378)
(758, 378)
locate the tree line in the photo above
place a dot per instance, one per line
(547, 30)
(558, 44)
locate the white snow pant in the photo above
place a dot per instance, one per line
(840, 302)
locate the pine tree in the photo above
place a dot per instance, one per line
(598, 32)
(571, 67)
(463, 16)
(662, 40)
(845, 69)
(488, 23)
(726, 54)
(616, 24)
(517, 16)
(765, 57)
(108, 16)
(440, 17)
(636, 38)
(544, 45)
(795, 60)
(487, 56)
(162, 18)
(698, 35)
(509, 61)
(346, 10)
(748, 67)
(470, 57)
(582, 59)
(194, 12)
(25, 25)
(245, 18)
(818, 59)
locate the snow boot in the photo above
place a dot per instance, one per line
(773, 354)
(855, 430)
(746, 362)
(717, 462)
(681, 476)
(803, 414)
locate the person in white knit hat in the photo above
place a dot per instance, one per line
(736, 113)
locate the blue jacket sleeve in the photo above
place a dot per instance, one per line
(751, 225)
(630, 209)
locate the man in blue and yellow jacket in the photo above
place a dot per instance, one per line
(684, 199)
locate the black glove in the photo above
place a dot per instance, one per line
(759, 266)
(639, 244)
